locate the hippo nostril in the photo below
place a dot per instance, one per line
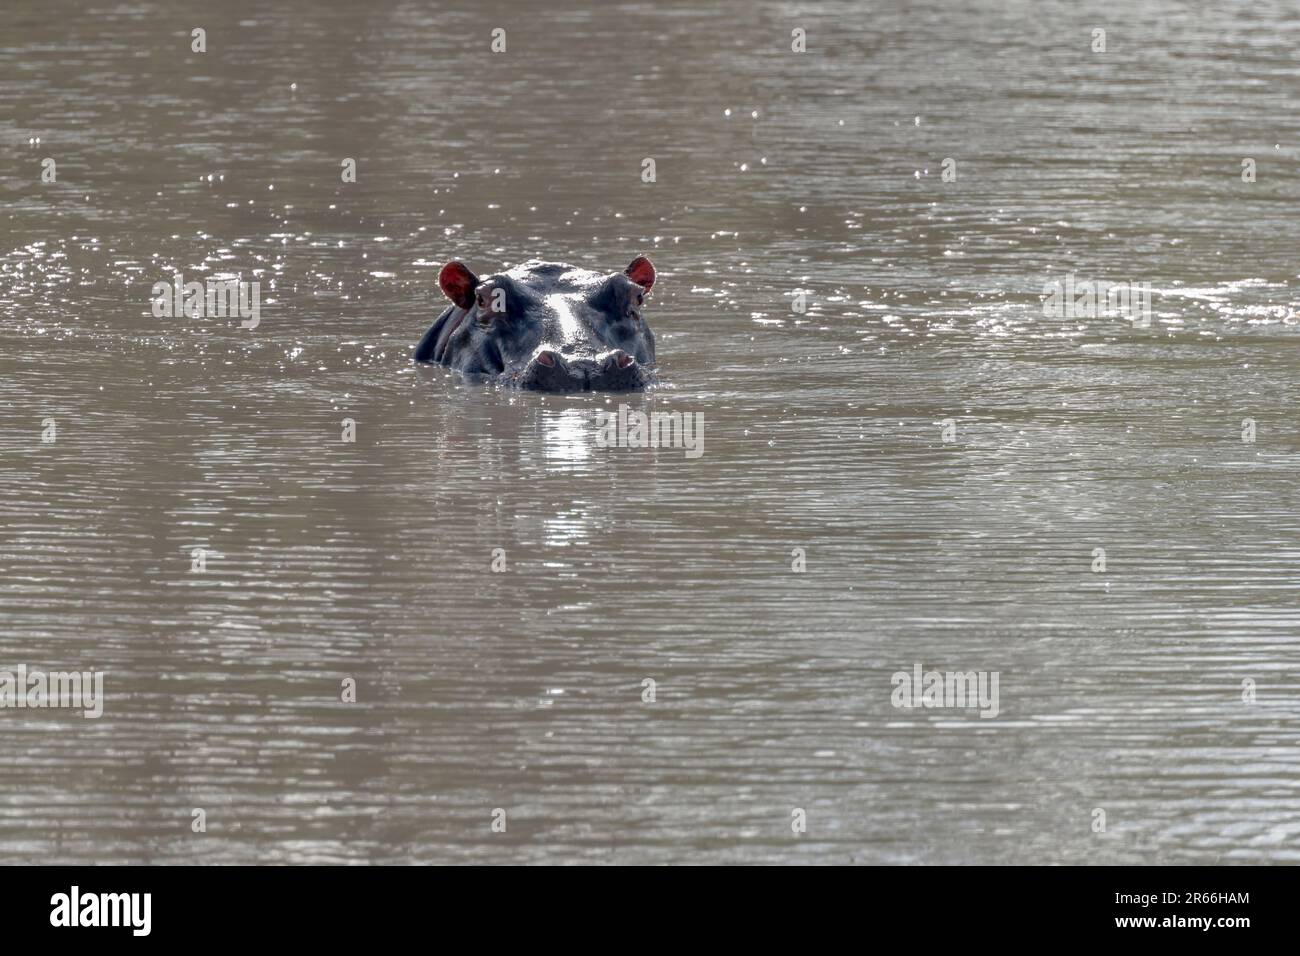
(622, 359)
(546, 358)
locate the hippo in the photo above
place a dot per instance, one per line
(546, 326)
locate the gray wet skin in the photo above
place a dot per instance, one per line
(547, 326)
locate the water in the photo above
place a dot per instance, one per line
(776, 172)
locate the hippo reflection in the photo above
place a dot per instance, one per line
(546, 326)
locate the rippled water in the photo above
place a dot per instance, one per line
(777, 173)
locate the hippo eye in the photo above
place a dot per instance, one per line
(491, 302)
(634, 309)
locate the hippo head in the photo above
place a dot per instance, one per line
(548, 326)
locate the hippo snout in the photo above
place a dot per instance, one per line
(552, 371)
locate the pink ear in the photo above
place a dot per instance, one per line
(642, 272)
(458, 283)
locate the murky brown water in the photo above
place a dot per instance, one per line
(522, 690)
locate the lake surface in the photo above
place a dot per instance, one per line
(940, 458)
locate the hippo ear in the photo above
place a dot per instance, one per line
(642, 272)
(458, 283)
